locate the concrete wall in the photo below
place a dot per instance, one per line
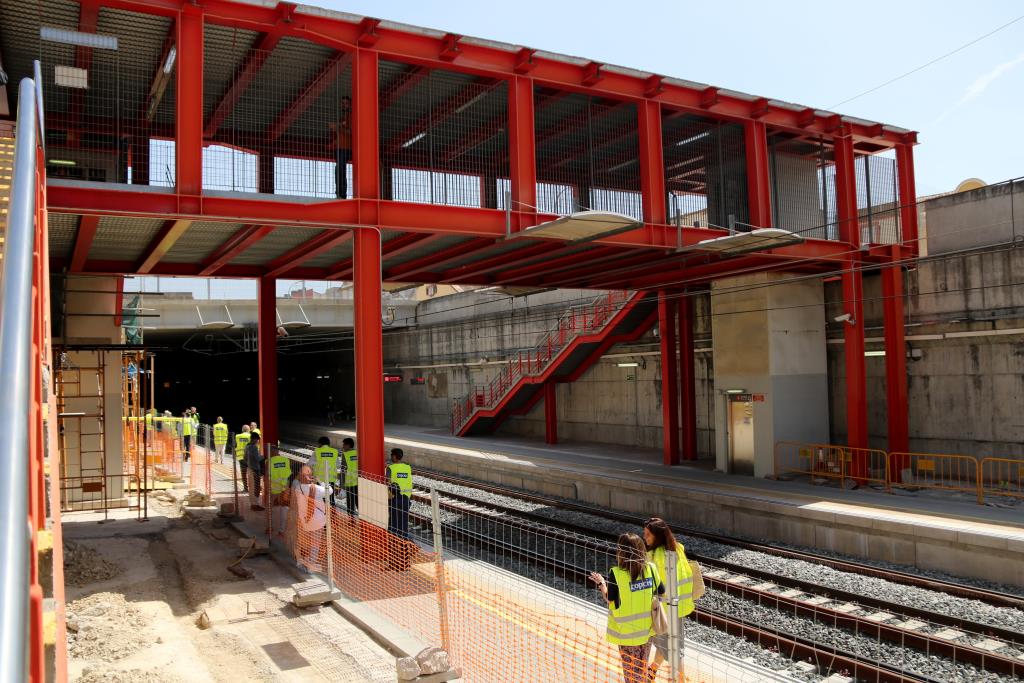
(965, 317)
(990, 215)
(606, 404)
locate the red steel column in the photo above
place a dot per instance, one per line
(550, 414)
(266, 328)
(907, 195)
(853, 300)
(687, 380)
(669, 380)
(652, 166)
(366, 126)
(369, 355)
(759, 194)
(189, 93)
(522, 149)
(895, 362)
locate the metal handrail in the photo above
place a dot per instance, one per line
(15, 371)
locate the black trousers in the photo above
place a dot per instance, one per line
(352, 499)
(341, 158)
(244, 473)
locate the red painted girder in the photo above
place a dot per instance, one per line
(313, 90)
(589, 269)
(245, 75)
(564, 259)
(408, 80)
(487, 264)
(121, 267)
(87, 226)
(243, 238)
(161, 79)
(158, 247)
(571, 123)
(488, 60)
(88, 16)
(439, 113)
(497, 124)
(438, 260)
(392, 248)
(625, 338)
(306, 251)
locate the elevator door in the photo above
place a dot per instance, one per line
(741, 435)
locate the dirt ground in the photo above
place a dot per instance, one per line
(153, 602)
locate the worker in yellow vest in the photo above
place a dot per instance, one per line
(351, 483)
(220, 437)
(629, 589)
(241, 441)
(254, 429)
(186, 434)
(399, 495)
(658, 538)
(279, 469)
(324, 462)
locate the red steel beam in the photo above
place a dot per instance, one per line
(488, 264)
(669, 379)
(392, 248)
(189, 100)
(759, 197)
(523, 151)
(409, 79)
(440, 113)
(497, 124)
(438, 260)
(309, 94)
(369, 354)
(306, 251)
(158, 247)
(687, 379)
(575, 257)
(161, 78)
(243, 238)
(366, 130)
(88, 16)
(895, 361)
(652, 164)
(243, 78)
(87, 226)
(907, 195)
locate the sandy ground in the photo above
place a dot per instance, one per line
(137, 594)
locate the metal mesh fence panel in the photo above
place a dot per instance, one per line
(803, 186)
(443, 136)
(588, 154)
(705, 171)
(878, 199)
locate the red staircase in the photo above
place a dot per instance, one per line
(583, 334)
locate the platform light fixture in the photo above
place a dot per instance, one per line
(172, 54)
(628, 365)
(735, 391)
(63, 162)
(414, 139)
(77, 38)
(874, 354)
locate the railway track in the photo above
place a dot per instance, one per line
(952, 636)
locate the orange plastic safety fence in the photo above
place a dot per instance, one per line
(1002, 477)
(948, 472)
(829, 461)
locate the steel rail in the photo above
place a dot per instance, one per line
(15, 371)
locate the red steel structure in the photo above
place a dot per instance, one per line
(216, 138)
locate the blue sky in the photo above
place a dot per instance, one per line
(968, 108)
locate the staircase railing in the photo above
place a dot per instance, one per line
(576, 321)
(22, 341)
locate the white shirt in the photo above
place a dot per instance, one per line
(301, 504)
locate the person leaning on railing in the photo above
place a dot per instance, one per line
(630, 590)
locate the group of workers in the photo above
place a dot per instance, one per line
(631, 588)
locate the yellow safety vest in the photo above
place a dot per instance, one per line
(630, 623)
(220, 434)
(241, 441)
(351, 468)
(186, 426)
(257, 431)
(684, 576)
(325, 464)
(280, 470)
(400, 474)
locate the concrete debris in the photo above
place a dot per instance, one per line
(105, 627)
(433, 660)
(83, 565)
(197, 499)
(107, 675)
(408, 669)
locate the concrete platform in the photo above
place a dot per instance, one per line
(928, 530)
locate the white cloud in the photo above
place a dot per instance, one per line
(981, 83)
